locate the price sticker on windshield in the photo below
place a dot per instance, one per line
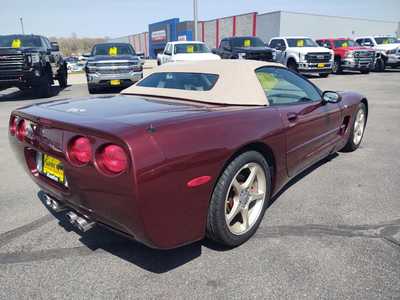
(113, 51)
(16, 43)
(190, 49)
(300, 43)
(247, 43)
(345, 45)
(385, 42)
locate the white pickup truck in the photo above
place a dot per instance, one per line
(185, 51)
(387, 48)
(303, 55)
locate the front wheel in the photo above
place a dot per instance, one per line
(45, 90)
(63, 78)
(357, 129)
(366, 71)
(292, 65)
(323, 75)
(380, 65)
(239, 200)
(337, 68)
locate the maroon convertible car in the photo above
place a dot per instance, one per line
(192, 150)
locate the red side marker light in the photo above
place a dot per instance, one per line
(21, 130)
(198, 181)
(13, 125)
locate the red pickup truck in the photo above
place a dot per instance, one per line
(349, 55)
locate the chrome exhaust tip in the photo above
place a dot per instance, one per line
(72, 217)
(83, 224)
(48, 200)
(53, 204)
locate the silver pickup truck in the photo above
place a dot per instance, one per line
(113, 65)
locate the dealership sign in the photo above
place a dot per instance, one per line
(159, 36)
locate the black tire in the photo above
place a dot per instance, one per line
(380, 65)
(92, 89)
(324, 75)
(351, 145)
(292, 65)
(217, 228)
(63, 78)
(337, 68)
(366, 71)
(158, 63)
(45, 90)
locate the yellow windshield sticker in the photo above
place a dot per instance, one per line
(345, 44)
(386, 42)
(190, 49)
(16, 43)
(300, 43)
(113, 51)
(268, 81)
(247, 43)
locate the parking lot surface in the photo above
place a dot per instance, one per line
(334, 232)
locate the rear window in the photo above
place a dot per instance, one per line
(191, 48)
(180, 81)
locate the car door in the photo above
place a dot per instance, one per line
(312, 126)
(167, 54)
(280, 47)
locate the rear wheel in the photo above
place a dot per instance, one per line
(239, 200)
(357, 129)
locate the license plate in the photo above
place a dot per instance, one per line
(115, 82)
(321, 66)
(53, 168)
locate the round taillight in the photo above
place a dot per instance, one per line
(13, 125)
(80, 151)
(112, 158)
(21, 130)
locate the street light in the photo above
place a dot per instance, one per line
(195, 19)
(22, 25)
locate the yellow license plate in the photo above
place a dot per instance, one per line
(53, 168)
(321, 66)
(115, 82)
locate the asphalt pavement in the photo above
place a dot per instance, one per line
(333, 233)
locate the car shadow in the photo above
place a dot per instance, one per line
(153, 260)
(18, 95)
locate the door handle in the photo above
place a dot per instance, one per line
(292, 117)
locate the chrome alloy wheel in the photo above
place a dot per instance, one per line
(245, 198)
(359, 126)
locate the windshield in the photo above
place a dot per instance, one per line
(301, 43)
(385, 40)
(191, 48)
(113, 49)
(345, 43)
(247, 42)
(180, 81)
(19, 41)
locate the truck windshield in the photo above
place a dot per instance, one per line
(180, 81)
(113, 49)
(301, 43)
(344, 43)
(385, 40)
(19, 41)
(191, 48)
(247, 42)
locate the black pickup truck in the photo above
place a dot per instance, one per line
(245, 47)
(31, 62)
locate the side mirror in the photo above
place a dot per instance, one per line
(331, 97)
(214, 50)
(55, 47)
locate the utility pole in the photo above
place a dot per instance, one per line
(22, 25)
(195, 19)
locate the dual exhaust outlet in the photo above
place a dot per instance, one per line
(81, 223)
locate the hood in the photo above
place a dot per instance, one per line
(355, 48)
(311, 49)
(5, 51)
(113, 58)
(253, 49)
(121, 109)
(196, 56)
(387, 46)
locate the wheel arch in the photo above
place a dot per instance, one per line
(365, 101)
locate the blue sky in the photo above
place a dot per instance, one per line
(97, 18)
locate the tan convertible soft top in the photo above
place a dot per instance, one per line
(237, 83)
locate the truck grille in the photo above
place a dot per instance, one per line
(318, 57)
(11, 65)
(364, 54)
(112, 71)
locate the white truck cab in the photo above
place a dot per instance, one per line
(387, 48)
(185, 51)
(303, 55)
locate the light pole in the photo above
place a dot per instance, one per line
(22, 25)
(195, 19)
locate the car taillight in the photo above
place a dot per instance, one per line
(13, 125)
(112, 158)
(21, 130)
(80, 150)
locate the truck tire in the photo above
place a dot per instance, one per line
(323, 75)
(366, 71)
(63, 77)
(292, 65)
(380, 65)
(44, 89)
(92, 89)
(337, 68)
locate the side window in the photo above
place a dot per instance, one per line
(359, 41)
(273, 44)
(277, 44)
(225, 44)
(168, 49)
(283, 87)
(46, 43)
(326, 44)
